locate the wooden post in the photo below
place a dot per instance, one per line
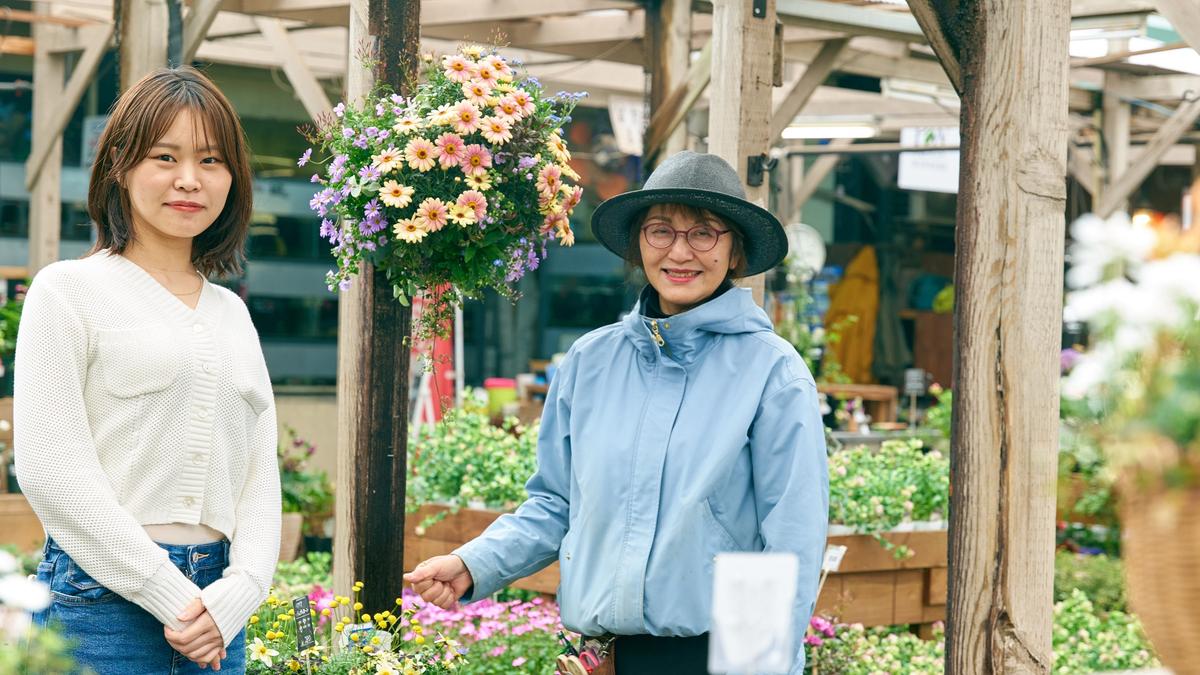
(1117, 116)
(739, 117)
(44, 182)
(373, 352)
(668, 56)
(142, 36)
(1008, 315)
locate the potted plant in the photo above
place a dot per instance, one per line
(307, 494)
(10, 318)
(1134, 283)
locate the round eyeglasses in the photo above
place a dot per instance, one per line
(701, 238)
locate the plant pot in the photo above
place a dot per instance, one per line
(289, 536)
(1161, 550)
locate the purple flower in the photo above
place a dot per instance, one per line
(344, 284)
(379, 110)
(304, 158)
(372, 131)
(316, 178)
(369, 173)
(527, 162)
(1067, 359)
(372, 209)
(339, 109)
(383, 134)
(347, 132)
(360, 142)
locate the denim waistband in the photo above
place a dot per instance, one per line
(189, 558)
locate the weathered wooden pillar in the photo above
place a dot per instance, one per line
(668, 56)
(44, 182)
(373, 351)
(1009, 61)
(142, 37)
(1116, 121)
(739, 117)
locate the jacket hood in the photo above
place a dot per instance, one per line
(688, 334)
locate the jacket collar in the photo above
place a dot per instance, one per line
(689, 334)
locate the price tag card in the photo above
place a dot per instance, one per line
(305, 637)
(753, 596)
(833, 558)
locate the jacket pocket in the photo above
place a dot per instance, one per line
(137, 361)
(724, 537)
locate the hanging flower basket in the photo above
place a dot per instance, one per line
(451, 191)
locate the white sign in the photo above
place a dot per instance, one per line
(833, 558)
(929, 171)
(752, 628)
(628, 116)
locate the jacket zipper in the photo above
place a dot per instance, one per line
(658, 338)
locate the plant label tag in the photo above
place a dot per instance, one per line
(305, 638)
(833, 558)
(753, 596)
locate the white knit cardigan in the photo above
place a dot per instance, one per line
(133, 409)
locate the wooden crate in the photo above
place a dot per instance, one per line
(871, 588)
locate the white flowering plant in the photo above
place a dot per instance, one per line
(1136, 284)
(450, 191)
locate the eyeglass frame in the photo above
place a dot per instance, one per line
(686, 233)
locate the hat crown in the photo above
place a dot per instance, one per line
(696, 171)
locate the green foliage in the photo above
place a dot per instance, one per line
(855, 650)
(466, 459)
(939, 415)
(1087, 640)
(303, 490)
(812, 343)
(1099, 577)
(300, 576)
(874, 491)
(43, 652)
(10, 319)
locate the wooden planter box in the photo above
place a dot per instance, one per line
(871, 588)
(18, 524)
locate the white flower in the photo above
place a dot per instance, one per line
(1100, 245)
(5, 426)
(23, 592)
(262, 653)
(8, 563)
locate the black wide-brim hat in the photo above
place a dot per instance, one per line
(704, 181)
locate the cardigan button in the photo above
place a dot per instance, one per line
(189, 501)
(204, 413)
(208, 367)
(198, 328)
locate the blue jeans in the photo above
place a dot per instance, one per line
(113, 636)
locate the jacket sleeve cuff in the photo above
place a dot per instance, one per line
(230, 601)
(166, 594)
(484, 579)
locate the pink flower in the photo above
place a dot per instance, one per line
(432, 214)
(814, 641)
(498, 651)
(450, 150)
(549, 180)
(458, 68)
(466, 117)
(524, 101)
(507, 109)
(486, 75)
(572, 199)
(476, 92)
(474, 200)
(477, 160)
(519, 661)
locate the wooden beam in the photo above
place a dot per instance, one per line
(1082, 167)
(17, 45)
(97, 38)
(374, 351)
(142, 36)
(1116, 123)
(1008, 325)
(305, 84)
(816, 174)
(21, 16)
(806, 85)
(1080, 8)
(739, 113)
(1124, 54)
(935, 26)
(850, 20)
(1184, 16)
(196, 26)
(433, 12)
(668, 27)
(1156, 87)
(676, 106)
(1116, 193)
(845, 146)
(45, 196)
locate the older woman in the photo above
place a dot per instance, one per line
(685, 430)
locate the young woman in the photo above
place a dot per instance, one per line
(144, 419)
(687, 429)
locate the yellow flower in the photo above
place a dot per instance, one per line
(326, 612)
(472, 51)
(354, 637)
(375, 640)
(462, 215)
(294, 665)
(253, 619)
(366, 618)
(420, 639)
(275, 624)
(479, 182)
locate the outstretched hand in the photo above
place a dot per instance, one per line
(441, 580)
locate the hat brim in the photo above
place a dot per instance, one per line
(763, 239)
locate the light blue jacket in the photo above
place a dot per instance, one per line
(651, 460)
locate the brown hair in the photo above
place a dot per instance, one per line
(139, 118)
(738, 252)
